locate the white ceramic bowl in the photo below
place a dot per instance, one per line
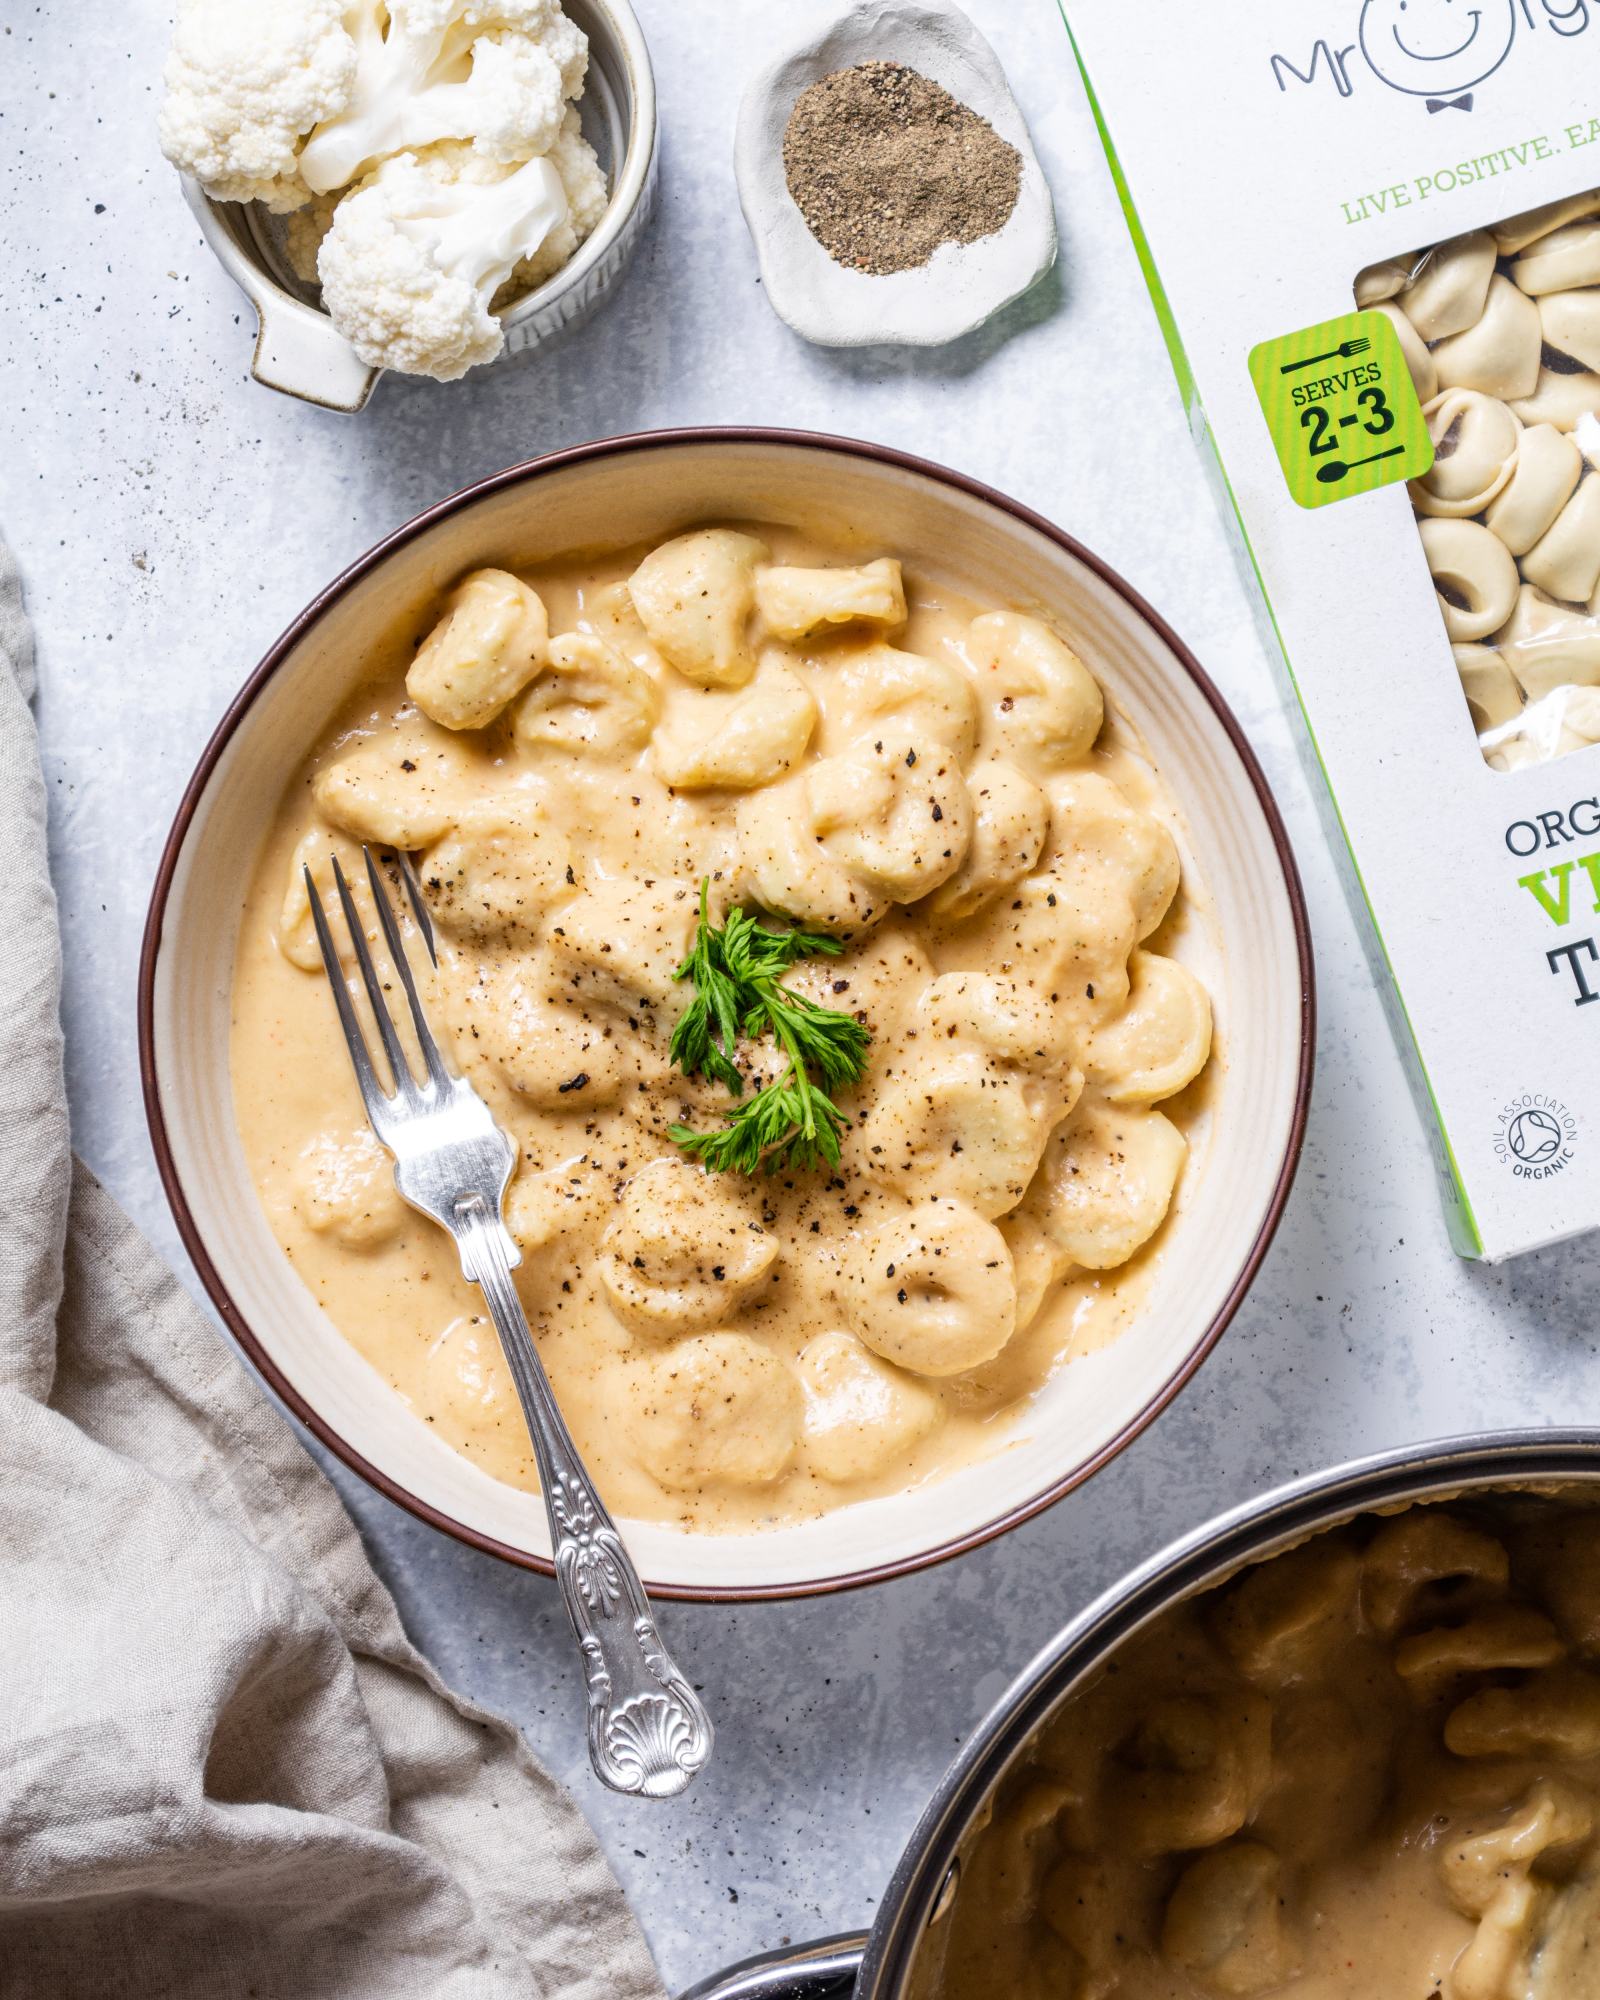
(298, 348)
(614, 494)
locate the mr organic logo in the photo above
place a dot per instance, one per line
(1438, 52)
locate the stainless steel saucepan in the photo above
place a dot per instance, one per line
(927, 1883)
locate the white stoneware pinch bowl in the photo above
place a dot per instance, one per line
(298, 348)
(961, 285)
(1247, 931)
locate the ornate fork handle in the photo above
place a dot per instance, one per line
(648, 1731)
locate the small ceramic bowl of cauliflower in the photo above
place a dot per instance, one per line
(416, 185)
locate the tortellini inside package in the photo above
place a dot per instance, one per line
(1382, 300)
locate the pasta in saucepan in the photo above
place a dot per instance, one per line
(1367, 1768)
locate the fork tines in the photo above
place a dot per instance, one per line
(408, 1091)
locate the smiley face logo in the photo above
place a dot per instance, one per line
(1437, 48)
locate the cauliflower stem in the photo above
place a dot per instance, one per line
(497, 72)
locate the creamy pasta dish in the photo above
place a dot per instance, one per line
(1501, 330)
(814, 1243)
(1366, 1770)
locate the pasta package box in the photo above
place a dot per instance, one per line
(1372, 234)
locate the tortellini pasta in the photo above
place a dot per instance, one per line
(1477, 438)
(695, 597)
(1100, 842)
(1568, 258)
(1571, 324)
(883, 692)
(894, 812)
(861, 1414)
(1280, 1617)
(572, 766)
(557, 1058)
(1193, 1771)
(503, 866)
(685, 1252)
(1554, 1713)
(932, 1290)
(1381, 282)
(1503, 1638)
(959, 1124)
(347, 1190)
(1475, 575)
(1002, 1020)
(1042, 708)
(1545, 472)
(795, 603)
(620, 944)
(984, 1079)
(1426, 1561)
(1500, 353)
(590, 701)
(557, 1205)
(1567, 400)
(1501, 331)
(1550, 647)
(879, 978)
(1108, 1179)
(491, 642)
(783, 865)
(393, 792)
(1108, 878)
(738, 742)
(296, 931)
(1503, 1873)
(716, 1410)
(465, 1367)
(1418, 357)
(1451, 290)
(1224, 1922)
(1010, 824)
(1162, 1039)
(1037, 1265)
(1515, 234)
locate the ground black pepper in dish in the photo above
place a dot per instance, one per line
(885, 166)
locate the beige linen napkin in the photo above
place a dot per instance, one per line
(224, 1772)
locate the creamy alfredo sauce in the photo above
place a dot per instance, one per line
(934, 783)
(1367, 1770)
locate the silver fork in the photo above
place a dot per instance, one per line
(648, 1731)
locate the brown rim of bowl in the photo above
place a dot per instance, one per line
(531, 470)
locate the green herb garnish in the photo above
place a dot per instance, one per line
(793, 1121)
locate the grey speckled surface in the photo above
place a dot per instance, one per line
(171, 518)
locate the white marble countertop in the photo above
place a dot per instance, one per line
(172, 517)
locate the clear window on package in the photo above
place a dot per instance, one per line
(1501, 329)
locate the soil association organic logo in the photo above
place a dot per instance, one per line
(1439, 52)
(1536, 1136)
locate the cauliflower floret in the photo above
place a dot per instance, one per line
(243, 88)
(414, 258)
(496, 72)
(584, 179)
(303, 234)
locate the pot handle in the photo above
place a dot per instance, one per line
(824, 1971)
(302, 353)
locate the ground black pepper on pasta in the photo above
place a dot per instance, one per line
(886, 166)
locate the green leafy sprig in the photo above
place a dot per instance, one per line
(736, 972)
